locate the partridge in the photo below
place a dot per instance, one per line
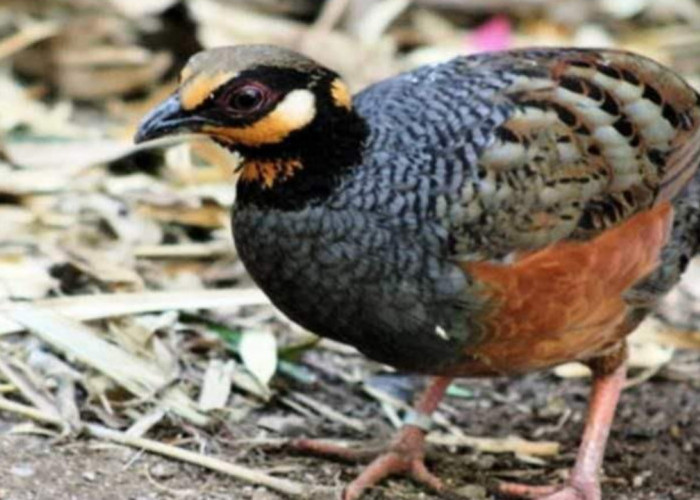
(492, 215)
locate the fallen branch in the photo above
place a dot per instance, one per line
(328, 412)
(30, 412)
(285, 486)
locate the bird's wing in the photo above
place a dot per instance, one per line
(587, 140)
(570, 204)
(550, 170)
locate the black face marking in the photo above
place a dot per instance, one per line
(328, 148)
(250, 96)
(247, 98)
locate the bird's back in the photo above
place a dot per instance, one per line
(525, 148)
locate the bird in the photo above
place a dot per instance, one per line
(491, 215)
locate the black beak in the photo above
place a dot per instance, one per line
(165, 119)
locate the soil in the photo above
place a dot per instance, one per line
(654, 450)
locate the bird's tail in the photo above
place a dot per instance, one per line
(683, 245)
(690, 215)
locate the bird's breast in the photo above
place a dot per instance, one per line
(342, 275)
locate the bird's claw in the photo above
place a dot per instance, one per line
(573, 491)
(406, 456)
(389, 464)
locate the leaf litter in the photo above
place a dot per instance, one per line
(125, 314)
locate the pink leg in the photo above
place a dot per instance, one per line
(584, 483)
(405, 454)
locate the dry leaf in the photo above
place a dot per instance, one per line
(258, 350)
(79, 342)
(216, 386)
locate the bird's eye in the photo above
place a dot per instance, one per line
(247, 98)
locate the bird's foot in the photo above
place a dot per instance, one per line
(573, 491)
(405, 455)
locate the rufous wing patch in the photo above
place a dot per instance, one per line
(294, 112)
(566, 301)
(341, 94)
(196, 89)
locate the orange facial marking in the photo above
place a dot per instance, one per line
(293, 113)
(195, 90)
(564, 302)
(268, 172)
(269, 130)
(341, 94)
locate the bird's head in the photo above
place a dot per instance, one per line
(283, 112)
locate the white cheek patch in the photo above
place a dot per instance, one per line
(296, 110)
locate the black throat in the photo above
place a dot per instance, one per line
(325, 151)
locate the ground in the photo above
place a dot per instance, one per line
(84, 215)
(654, 452)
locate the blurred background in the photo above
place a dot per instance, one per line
(125, 313)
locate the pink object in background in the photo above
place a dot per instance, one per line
(494, 34)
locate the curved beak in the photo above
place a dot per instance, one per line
(166, 119)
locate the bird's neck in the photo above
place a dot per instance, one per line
(306, 167)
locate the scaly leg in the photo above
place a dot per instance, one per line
(405, 454)
(583, 483)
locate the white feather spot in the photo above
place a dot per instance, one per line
(628, 92)
(643, 112)
(534, 117)
(441, 206)
(440, 332)
(467, 191)
(624, 181)
(658, 133)
(594, 115)
(503, 155)
(487, 186)
(606, 81)
(608, 136)
(568, 152)
(550, 196)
